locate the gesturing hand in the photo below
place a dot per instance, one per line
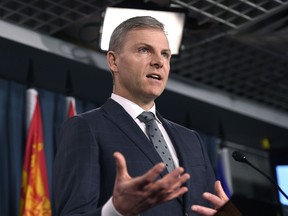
(218, 200)
(131, 196)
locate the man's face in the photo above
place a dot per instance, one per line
(141, 68)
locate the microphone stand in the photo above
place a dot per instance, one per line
(242, 158)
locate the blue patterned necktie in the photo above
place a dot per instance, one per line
(157, 138)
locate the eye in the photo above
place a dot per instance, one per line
(166, 55)
(143, 49)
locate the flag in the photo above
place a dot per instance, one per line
(223, 171)
(71, 107)
(34, 197)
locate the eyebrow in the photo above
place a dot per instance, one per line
(148, 45)
(167, 50)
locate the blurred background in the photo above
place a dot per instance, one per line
(229, 79)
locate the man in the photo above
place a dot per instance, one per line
(106, 164)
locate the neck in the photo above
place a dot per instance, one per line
(144, 104)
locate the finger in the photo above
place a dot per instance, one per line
(121, 168)
(159, 193)
(150, 176)
(203, 210)
(176, 173)
(178, 177)
(174, 180)
(215, 200)
(220, 192)
(170, 186)
(176, 193)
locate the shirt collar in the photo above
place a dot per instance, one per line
(132, 108)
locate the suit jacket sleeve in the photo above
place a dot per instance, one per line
(76, 177)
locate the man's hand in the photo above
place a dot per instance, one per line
(131, 196)
(218, 200)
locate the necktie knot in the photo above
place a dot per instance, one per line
(146, 117)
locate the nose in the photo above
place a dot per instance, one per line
(157, 60)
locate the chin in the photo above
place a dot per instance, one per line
(154, 95)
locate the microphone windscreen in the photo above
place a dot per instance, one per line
(238, 156)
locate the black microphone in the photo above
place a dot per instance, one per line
(238, 156)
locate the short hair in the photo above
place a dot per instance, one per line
(138, 22)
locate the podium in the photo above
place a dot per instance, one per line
(240, 205)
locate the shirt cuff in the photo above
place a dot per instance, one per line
(109, 209)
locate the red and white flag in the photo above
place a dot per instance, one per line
(71, 106)
(34, 198)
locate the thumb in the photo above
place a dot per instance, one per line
(121, 167)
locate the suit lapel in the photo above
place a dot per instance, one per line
(179, 146)
(116, 114)
(177, 141)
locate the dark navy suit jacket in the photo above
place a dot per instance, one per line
(84, 168)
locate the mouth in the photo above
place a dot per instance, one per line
(154, 76)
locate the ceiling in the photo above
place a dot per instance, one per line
(238, 47)
(235, 47)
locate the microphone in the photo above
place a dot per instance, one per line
(238, 156)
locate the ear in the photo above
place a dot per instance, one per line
(111, 60)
